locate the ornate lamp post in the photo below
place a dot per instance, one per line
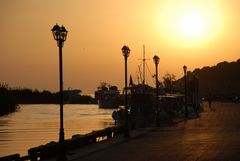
(126, 52)
(156, 60)
(60, 35)
(185, 89)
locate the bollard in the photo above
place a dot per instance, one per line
(33, 154)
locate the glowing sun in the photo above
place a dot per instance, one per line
(189, 23)
(192, 24)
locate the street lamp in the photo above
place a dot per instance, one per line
(185, 89)
(126, 52)
(156, 60)
(60, 35)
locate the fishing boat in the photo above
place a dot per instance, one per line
(107, 96)
(147, 107)
(142, 98)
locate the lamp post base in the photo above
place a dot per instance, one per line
(126, 133)
(61, 156)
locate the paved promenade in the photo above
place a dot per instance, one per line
(214, 136)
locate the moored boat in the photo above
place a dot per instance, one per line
(107, 96)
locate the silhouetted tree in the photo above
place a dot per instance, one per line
(168, 80)
(7, 101)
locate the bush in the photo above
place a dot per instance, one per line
(7, 101)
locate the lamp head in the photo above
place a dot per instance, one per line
(125, 51)
(56, 32)
(156, 59)
(59, 33)
(64, 32)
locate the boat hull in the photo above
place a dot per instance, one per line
(102, 103)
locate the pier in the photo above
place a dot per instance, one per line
(214, 135)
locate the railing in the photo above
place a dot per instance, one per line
(77, 141)
(14, 157)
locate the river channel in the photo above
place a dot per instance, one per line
(33, 125)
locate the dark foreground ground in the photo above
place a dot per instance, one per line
(213, 136)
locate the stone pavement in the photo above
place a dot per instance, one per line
(213, 136)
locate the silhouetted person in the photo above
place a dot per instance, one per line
(210, 102)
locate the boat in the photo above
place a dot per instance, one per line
(147, 108)
(107, 96)
(141, 101)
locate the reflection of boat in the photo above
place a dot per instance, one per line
(107, 96)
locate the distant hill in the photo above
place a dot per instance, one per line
(222, 79)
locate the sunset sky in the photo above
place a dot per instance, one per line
(194, 33)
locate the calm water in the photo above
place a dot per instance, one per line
(34, 125)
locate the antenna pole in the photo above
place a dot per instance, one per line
(144, 64)
(139, 68)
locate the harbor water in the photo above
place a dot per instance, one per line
(33, 125)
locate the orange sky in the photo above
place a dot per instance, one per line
(99, 28)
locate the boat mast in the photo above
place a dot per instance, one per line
(143, 73)
(144, 61)
(140, 73)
